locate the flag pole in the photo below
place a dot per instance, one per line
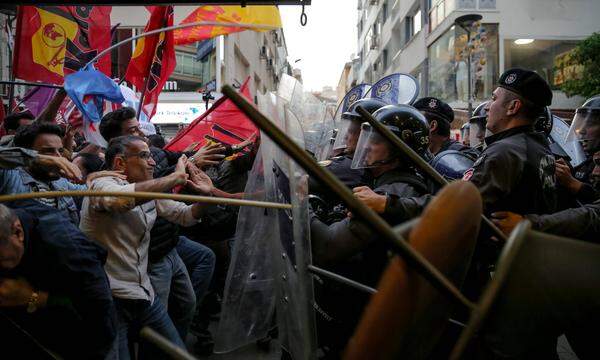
(11, 91)
(177, 27)
(142, 95)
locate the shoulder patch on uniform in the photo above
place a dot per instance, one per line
(468, 174)
(325, 163)
(479, 160)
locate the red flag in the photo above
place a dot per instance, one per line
(53, 41)
(223, 121)
(153, 60)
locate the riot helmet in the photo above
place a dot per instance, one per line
(404, 121)
(477, 123)
(585, 127)
(349, 126)
(452, 164)
(464, 133)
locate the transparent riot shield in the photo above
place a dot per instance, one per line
(561, 142)
(268, 269)
(250, 289)
(289, 183)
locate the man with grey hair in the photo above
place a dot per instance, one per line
(51, 273)
(123, 226)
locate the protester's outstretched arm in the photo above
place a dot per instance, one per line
(165, 183)
(50, 111)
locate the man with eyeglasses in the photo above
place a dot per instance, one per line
(123, 225)
(45, 139)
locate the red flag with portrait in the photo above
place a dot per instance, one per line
(153, 59)
(54, 41)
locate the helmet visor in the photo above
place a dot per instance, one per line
(585, 128)
(476, 133)
(372, 150)
(347, 136)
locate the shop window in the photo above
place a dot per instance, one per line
(542, 56)
(448, 71)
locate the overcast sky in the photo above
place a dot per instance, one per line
(324, 44)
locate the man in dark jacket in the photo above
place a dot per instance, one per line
(515, 172)
(52, 278)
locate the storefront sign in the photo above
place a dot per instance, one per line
(177, 113)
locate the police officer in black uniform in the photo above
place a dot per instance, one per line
(515, 172)
(585, 128)
(440, 115)
(346, 246)
(579, 223)
(340, 165)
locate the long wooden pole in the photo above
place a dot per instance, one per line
(147, 195)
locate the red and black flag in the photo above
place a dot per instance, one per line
(153, 59)
(53, 41)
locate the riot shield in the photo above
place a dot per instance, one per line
(561, 143)
(289, 182)
(250, 295)
(268, 269)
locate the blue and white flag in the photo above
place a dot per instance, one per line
(396, 88)
(354, 94)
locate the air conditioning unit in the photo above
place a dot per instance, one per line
(263, 52)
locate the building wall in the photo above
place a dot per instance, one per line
(556, 25)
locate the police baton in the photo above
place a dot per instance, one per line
(396, 242)
(418, 161)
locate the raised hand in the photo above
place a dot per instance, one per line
(58, 163)
(198, 182)
(210, 154)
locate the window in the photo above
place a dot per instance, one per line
(412, 25)
(187, 64)
(448, 70)
(417, 22)
(543, 56)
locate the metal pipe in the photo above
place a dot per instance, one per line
(177, 27)
(418, 161)
(171, 350)
(342, 279)
(397, 243)
(504, 266)
(147, 195)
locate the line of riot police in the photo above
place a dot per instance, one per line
(514, 150)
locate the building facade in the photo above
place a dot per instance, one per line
(207, 65)
(419, 37)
